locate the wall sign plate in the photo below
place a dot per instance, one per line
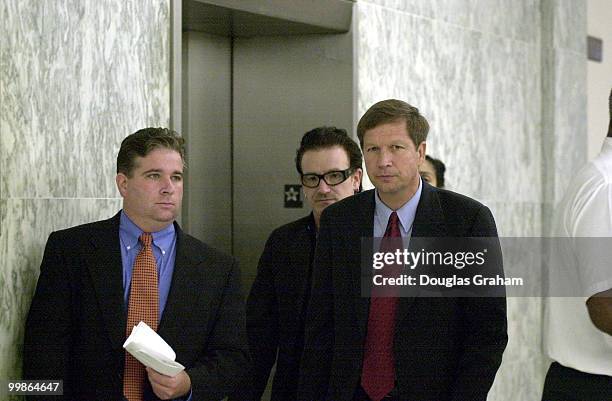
(293, 196)
(595, 49)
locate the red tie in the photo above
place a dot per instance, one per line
(378, 372)
(143, 305)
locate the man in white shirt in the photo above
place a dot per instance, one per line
(578, 318)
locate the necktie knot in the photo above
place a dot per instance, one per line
(146, 239)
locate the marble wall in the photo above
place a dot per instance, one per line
(502, 84)
(76, 77)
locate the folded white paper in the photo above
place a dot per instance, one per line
(151, 350)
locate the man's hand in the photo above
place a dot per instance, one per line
(167, 387)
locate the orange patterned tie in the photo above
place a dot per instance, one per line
(143, 305)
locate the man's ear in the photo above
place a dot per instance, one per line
(421, 150)
(122, 183)
(357, 175)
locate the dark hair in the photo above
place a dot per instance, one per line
(392, 110)
(142, 142)
(440, 169)
(327, 137)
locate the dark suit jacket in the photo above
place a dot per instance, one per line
(276, 308)
(445, 348)
(76, 325)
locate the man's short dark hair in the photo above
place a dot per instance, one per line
(390, 111)
(142, 142)
(439, 168)
(327, 137)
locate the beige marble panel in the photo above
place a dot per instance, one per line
(77, 77)
(570, 120)
(519, 380)
(524, 315)
(480, 93)
(517, 219)
(25, 227)
(570, 18)
(491, 133)
(521, 374)
(515, 19)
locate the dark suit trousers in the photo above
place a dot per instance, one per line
(567, 384)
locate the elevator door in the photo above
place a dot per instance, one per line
(283, 86)
(246, 102)
(206, 116)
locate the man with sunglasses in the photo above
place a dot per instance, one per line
(329, 164)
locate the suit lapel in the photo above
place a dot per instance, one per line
(429, 219)
(365, 221)
(301, 257)
(428, 222)
(106, 271)
(183, 277)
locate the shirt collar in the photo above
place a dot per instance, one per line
(130, 233)
(406, 213)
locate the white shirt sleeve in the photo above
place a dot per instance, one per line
(592, 236)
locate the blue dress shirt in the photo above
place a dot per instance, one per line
(405, 214)
(164, 250)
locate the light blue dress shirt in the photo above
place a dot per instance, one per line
(406, 215)
(164, 250)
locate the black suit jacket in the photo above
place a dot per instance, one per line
(76, 325)
(276, 308)
(444, 348)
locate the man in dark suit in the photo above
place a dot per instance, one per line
(329, 164)
(94, 279)
(393, 348)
